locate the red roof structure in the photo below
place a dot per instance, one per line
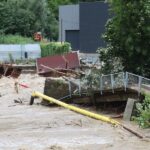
(58, 62)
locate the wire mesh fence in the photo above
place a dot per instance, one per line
(112, 82)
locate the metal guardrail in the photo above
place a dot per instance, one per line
(118, 80)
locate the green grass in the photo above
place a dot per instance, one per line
(15, 39)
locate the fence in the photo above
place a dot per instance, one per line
(124, 80)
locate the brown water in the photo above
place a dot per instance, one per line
(24, 127)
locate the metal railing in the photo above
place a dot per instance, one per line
(137, 82)
(114, 81)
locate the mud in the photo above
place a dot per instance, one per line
(36, 127)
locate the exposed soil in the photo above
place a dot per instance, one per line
(36, 127)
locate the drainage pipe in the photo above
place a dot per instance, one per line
(76, 109)
(82, 111)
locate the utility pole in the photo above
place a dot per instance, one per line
(61, 26)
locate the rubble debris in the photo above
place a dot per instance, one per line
(55, 147)
(16, 87)
(87, 58)
(79, 123)
(18, 101)
(60, 72)
(117, 116)
(58, 63)
(26, 68)
(52, 84)
(56, 88)
(23, 85)
(9, 71)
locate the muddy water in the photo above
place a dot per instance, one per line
(24, 127)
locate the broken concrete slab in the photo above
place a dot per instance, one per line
(56, 88)
(129, 109)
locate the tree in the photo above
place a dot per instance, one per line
(128, 36)
(24, 17)
(54, 4)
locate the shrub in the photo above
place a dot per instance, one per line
(109, 64)
(143, 110)
(54, 48)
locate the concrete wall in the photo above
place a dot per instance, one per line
(83, 25)
(68, 20)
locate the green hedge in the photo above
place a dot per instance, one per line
(15, 39)
(54, 48)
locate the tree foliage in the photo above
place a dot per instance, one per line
(143, 110)
(127, 36)
(54, 9)
(24, 17)
(54, 4)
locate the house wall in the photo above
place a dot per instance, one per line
(72, 36)
(83, 25)
(68, 20)
(93, 17)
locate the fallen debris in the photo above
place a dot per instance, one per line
(60, 72)
(23, 85)
(60, 64)
(9, 71)
(117, 116)
(18, 101)
(74, 123)
(55, 147)
(16, 87)
(62, 86)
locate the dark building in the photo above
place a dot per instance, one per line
(83, 25)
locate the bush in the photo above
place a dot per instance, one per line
(143, 110)
(15, 39)
(109, 64)
(54, 48)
